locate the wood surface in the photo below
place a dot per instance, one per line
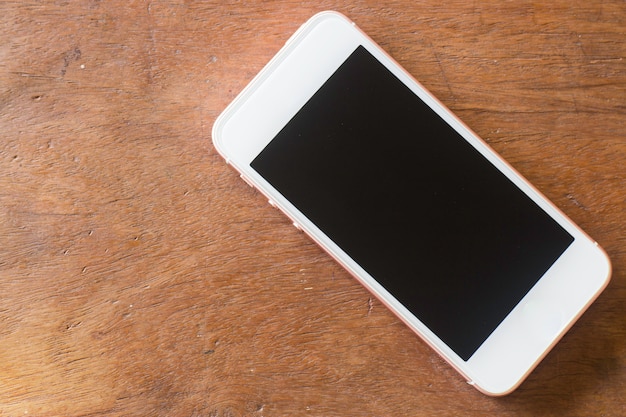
(139, 276)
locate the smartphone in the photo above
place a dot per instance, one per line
(417, 207)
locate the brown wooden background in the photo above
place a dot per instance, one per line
(140, 276)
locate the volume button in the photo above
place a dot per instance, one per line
(246, 180)
(272, 203)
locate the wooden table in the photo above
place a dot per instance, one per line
(139, 276)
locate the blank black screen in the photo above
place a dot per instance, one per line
(412, 202)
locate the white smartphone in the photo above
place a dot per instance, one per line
(412, 203)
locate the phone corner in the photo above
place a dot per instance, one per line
(608, 266)
(495, 391)
(330, 13)
(216, 135)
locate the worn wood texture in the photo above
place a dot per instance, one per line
(140, 276)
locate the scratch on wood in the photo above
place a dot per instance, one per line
(443, 73)
(73, 325)
(71, 56)
(576, 202)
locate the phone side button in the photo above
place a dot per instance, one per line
(246, 180)
(297, 226)
(272, 203)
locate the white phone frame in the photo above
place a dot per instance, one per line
(274, 96)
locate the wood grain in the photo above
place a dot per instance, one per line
(140, 276)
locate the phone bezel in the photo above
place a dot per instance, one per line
(274, 96)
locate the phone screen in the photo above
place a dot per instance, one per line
(412, 202)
